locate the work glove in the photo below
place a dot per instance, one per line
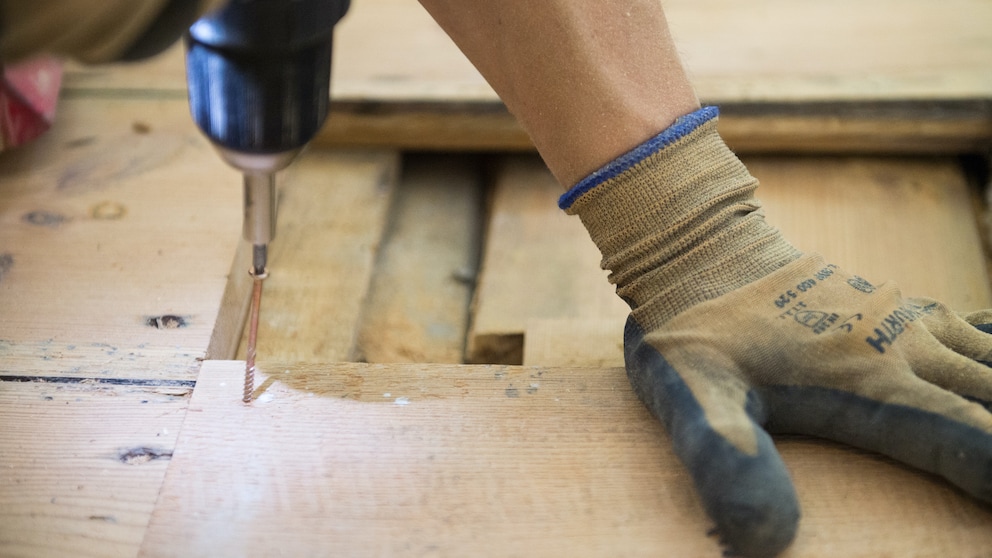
(735, 334)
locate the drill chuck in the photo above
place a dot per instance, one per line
(258, 72)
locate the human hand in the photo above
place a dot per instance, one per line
(813, 350)
(734, 333)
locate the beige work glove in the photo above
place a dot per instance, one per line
(734, 334)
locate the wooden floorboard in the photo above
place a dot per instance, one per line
(82, 462)
(117, 230)
(121, 267)
(374, 460)
(908, 220)
(780, 51)
(117, 234)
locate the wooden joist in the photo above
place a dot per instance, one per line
(538, 264)
(418, 303)
(336, 206)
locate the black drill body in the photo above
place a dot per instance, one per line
(258, 73)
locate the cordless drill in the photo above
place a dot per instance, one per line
(258, 73)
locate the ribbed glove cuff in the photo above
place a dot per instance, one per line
(676, 221)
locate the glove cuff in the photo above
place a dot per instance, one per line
(676, 221)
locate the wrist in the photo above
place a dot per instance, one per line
(677, 222)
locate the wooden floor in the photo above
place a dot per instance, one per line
(441, 353)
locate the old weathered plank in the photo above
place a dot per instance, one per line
(372, 460)
(391, 50)
(417, 310)
(573, 342)
(117, 230)
(905, 219)
(910, 220)
(333, 208)
(537, 263)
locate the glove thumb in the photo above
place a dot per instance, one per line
(746, 491)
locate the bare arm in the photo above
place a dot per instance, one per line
(589, 80)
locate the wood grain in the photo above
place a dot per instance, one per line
(401, 83)
(781, 51)
(573, 342)
(116, 232)
(333, 208)
(117, 229)
(418, 303)
(372, 460)
(910, 220)
(83, 463)
(538, 263)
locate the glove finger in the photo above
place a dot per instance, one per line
(967, 335)
(735, 467)
(981, 319)
(906, 418)
(952, 371)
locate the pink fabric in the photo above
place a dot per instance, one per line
(29, 92)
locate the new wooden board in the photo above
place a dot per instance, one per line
(383, 460)
(905, 219)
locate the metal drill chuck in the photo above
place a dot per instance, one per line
(258, 72)
(258, 75)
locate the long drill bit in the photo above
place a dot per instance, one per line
(256, 303)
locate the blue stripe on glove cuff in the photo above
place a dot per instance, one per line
(682, 127)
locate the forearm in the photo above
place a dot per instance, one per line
(589, 80)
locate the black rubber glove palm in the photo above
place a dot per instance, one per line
(734, 334)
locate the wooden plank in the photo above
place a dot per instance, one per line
(537, 263)
(417, 310)
(117, 230)
(571, 342)
(907, 219)
(401, 83)
(333, 208)
(83, 462)
(914, 128)
(779, 51)
(867, 128)
(225, 340)
(372, 460)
